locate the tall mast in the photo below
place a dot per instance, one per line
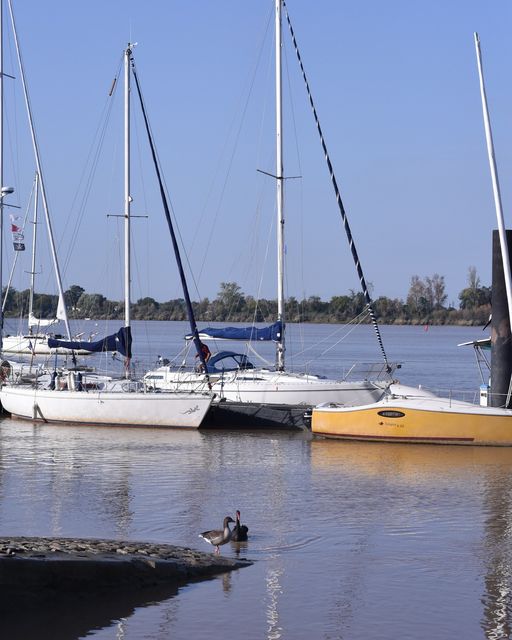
(353, 250)
(495, 182)
(34, 238)
(280, 347)
(1, 166)
(127, 197)
(167, 212)
(61, 309)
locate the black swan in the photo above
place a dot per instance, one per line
(240, 531)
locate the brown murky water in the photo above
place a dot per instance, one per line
(350, 540)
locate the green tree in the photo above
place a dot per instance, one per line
(474, 295)
(231, 296)
(419, 298)
(10, 303)
(45, 305)
(339, 307)
(436, 291)
(357, 303)
(92, 304)
(72, 295)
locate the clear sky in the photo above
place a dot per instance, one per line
(396, 89)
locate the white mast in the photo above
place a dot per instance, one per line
(34, 238)
(61, 309)
(495, 182)
(1, 165)
(280, 347)
(127, 197)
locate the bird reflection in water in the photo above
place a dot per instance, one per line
(239, 547)
(226, 582)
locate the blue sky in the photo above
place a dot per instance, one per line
(397, 93)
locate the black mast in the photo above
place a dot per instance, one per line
(190, 312)
(359, 269)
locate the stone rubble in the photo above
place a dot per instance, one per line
(32, 569)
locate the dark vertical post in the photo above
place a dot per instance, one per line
(501, 342)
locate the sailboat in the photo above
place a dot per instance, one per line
(272, 396)
(35, 341)
(417, 416)
(76, 397)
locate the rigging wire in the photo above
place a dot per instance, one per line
(250, 257)
(163, 185)
(343, 214)
(167, 212)
(138, 269)
(92, 162)
(267, 250)
(17, 253)
(358, 320)
(254, 225)
(301, 207)
(235, 148)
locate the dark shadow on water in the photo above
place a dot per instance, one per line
(73, 617)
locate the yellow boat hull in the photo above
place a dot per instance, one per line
(402, 422)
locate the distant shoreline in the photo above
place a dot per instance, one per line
(231, 305)
(397, 323)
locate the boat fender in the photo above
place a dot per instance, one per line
(71, 381)
(5, 370)
(52, 380)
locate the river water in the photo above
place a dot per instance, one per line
(349, 540)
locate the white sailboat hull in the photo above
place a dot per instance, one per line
(182, 410)
(291, 390)
(35, 345)
(273, 388)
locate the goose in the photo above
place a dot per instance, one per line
(216, 537)
(239, 533)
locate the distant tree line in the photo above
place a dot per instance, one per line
(426, 303)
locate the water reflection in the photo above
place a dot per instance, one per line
(274, 591)
(411, 463)
(67, 618)
(497, 601)
(350, 540)
(488, 470)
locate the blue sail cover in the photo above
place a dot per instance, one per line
(273, 332)
(120, 341)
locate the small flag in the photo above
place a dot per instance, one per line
(17, 234)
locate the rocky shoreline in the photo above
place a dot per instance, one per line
(32, 569)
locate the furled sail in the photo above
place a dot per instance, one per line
(39, 322)
(120, 342)
(272, 332)
(61, 309)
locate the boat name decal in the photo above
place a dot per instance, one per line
(388, 413)
(192, 410)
